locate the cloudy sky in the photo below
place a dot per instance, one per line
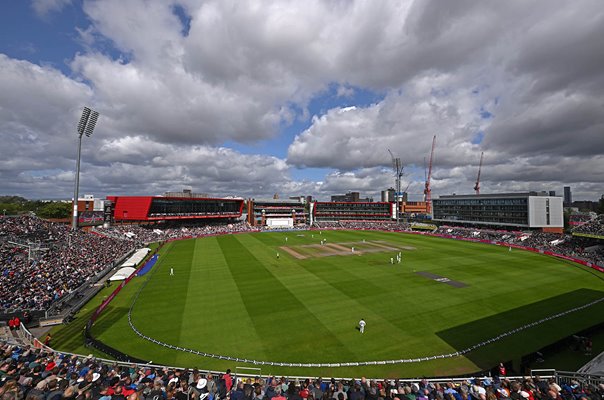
(252, 98)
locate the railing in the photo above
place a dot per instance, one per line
(561, 377)
(566, 377)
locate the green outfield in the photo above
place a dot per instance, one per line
(285, 297)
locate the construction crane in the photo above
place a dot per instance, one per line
(477, 185)
(397, 167)
(427, 190)
(405, 193)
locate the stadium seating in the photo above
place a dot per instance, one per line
(594, 227)
(41, 374)
(566, 245)
(155, 233)
(40, 261)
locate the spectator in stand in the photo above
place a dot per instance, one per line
(593, 227)
(65, 261)
(566, 245)
(155, 233)
(369, 225)
(228, 380)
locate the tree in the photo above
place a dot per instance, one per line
(55, 209)
(13, 205)
(9, 208)
(601, 205)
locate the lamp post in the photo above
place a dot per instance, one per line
(85, 127)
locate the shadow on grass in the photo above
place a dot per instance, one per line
(107, 320)
(531, 339)
(71, 336)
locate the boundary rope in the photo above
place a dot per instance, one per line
(351, 364)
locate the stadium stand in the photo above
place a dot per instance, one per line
(276, 212)
(351, 211)
(43, 374)
(156, 233)
(585, 249)
(328, 225)
(577, 219)
(595, 227)
(41, 262)
(362, 224)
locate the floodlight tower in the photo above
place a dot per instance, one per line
(477, 185)
(85, 127)
(397, 167)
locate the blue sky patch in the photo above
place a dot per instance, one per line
(484, 114)
(477, 139)
(185, 19)
(52, 40)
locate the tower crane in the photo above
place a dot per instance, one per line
(427, 189)
(477, 185)
(405, 193)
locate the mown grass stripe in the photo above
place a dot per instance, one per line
(218, 314)
(318, 296)
(164, 297)
(274, 310)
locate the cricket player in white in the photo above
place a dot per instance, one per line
(171, 271)
(362, 325)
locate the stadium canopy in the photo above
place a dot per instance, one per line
(137, 257)
(122, 274)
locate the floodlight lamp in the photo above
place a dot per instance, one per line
(83, 120)
(91, 123)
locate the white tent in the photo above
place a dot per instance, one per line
(136, 258)
(122, 274)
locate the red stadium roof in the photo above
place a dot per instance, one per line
(159, 208)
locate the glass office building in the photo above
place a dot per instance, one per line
(522, 210)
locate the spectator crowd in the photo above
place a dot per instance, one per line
(64, 260)
(373, 225)
(36, 374)
(593, 227)
(566, 245)
(41, 261)
(158, 233)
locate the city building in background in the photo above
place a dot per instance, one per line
(187, 193)
(350, 197)
(388, 196)
(521, 210)
(568, 196)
